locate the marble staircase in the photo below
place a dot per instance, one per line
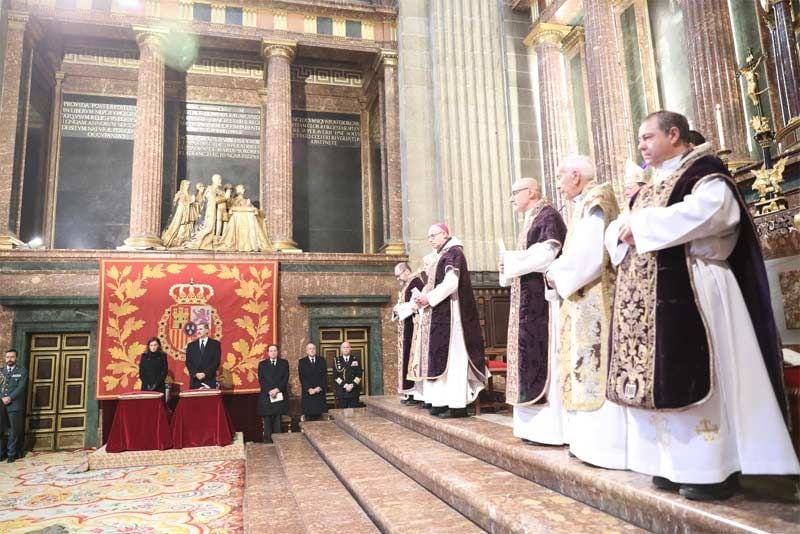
(393, 468)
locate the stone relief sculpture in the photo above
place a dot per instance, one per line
(216, 218)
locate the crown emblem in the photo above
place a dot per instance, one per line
(191, 293)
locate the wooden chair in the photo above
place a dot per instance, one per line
(495, 361)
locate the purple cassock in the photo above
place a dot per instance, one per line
(528, 352)
(436, 325)
(406, 333)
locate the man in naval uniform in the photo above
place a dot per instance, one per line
(584, 279)
(532, 346)
(348, 373)
(452, 360)
(404, 313)
(695, 354)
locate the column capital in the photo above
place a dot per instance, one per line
(546, 33)
(388, 57)
(17, 20)
(149, 35)
(575, 38)
(278, 48)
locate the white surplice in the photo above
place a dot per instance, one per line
(458, 386)
(597, 437)
(739, 427)
(539, 423)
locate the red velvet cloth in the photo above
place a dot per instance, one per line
(201, 422)
(140, 425)
(496, 365)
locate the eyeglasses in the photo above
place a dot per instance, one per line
(431, 236)
(515, 191)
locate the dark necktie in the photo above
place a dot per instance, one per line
(202, 345)
(273, 363)
(312, 361)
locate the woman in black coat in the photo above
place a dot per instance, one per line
(273, 402)
(153, 367)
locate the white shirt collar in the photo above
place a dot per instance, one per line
(661, 172)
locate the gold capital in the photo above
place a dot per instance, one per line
(388, 57)
(546, 33)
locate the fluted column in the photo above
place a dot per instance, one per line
(148, 143)
(10, 116)
(713, 75)
(611, 136)
(787, 60)
(553, 102)
(394, 194)
(276, 139)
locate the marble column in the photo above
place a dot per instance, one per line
(10, 116)
(787, 60)
(52, 159)
(611, 135)
(393, 232)
(553, 101)
(276, 139)
(148, 143)
(713, 75)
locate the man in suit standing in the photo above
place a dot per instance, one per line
(273, 377)
(13, 381)
(313, 380)
(348, 374)
(202, 359)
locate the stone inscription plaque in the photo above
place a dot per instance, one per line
(94, 176)
(216, 139)
(326, 153)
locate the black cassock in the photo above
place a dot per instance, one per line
(312, 376)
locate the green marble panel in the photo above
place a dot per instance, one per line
(579, 104)
(671, 59)
(633, 67)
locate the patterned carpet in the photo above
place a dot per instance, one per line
(51, 492)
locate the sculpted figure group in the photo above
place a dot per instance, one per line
(215, 217)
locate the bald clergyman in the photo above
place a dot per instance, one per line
(532, 349)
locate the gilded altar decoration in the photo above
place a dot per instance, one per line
(768, 186)
(139, 299)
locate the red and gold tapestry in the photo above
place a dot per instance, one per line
(140, 299)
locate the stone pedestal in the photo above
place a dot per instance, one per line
(148, 143)
(713, 75)
(394, 194)
(553, 102)
(13, 89)
(612, 138)
(276, 140)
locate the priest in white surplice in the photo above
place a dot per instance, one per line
(583, 278)
(694, 353)
(404, 313)
(532, 385)
(451, 353)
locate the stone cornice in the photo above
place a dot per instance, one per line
(546, 33)
(574, 38)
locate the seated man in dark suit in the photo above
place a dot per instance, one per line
(202, 359)
(313, 373)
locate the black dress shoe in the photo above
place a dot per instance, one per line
(427, 405)
(11, 459)
(665, 484)
(453, 413)
(3, 457)
(437, 410)
(711, 492)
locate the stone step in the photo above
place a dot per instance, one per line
(766, 504)
(395, 502)
(268, 502)
(492, 497)
(323, 503)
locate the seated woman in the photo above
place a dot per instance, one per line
(246, 229)
(153, 367)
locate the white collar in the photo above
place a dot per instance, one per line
(661, 172)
